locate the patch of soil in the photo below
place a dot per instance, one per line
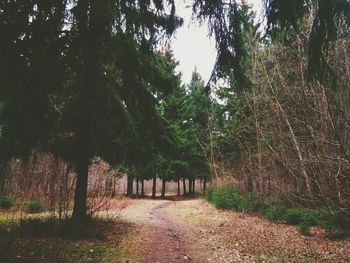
(158, 238)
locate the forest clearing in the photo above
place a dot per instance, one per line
(179, 230)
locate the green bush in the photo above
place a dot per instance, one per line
(304, 228)
(209, 195)
(6, 202)
(227, 198)
(294, 216)
(254, 203)
(276, 212)
(35, 206)
(335, 224)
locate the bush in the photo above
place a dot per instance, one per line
(276, 212)
(6, 202)
(254, 203)
(304, 228)
(336, 225)
(35, 206)
(294, 216)
(227, 198)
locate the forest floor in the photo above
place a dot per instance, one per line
(179, 230)
(195, 231)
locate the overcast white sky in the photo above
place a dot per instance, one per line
(191, 44)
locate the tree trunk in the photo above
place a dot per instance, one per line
(178, 187)
(137, 187)
(142, 188)
(190, 186)
(113, 190)
(204, 185)
(163, 188)
(80, 196)
(184, 185)
(154, 186)
(194, 186)
(129, 189)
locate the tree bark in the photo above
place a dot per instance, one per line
(129, 189)
(178, 187)
(204, 185)
(163, 188)
(184, 185)
(190, 186)
(80, 196)
(154, 186)
(194, 186)
(142, 188)
(137, 187)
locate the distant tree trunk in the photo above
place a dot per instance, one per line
(249, 183)
(190, 186)
(194, 186)
(113, 190)
(142, 188)
(80, 196)
(163, 188)
(184, 185)
(129, 189)
(178, 187)
(137, 187)
(154, 186)
(204, 185)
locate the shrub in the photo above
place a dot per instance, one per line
(276, 212)
(227, 198)
(6, 202)
(304, 228)
(336, 225)
(209, 195)
(294, 216)
(254, 203)
(35, 206)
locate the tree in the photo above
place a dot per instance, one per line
(86, 69)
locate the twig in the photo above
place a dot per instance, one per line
(191, 258)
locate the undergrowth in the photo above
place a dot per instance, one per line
(228, 198)
(6, 202)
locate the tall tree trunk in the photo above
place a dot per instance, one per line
(178, 187)
(114, 190)
(194, 186)
(80, 196)
(190, 186)
(204, 185)
(154, 186)
(163, 188)
(184, 185)
(137, 187)
(129, 189)
(142, 187)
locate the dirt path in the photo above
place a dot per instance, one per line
(194, 231)
(157, 238)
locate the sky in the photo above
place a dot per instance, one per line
(191, 44)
